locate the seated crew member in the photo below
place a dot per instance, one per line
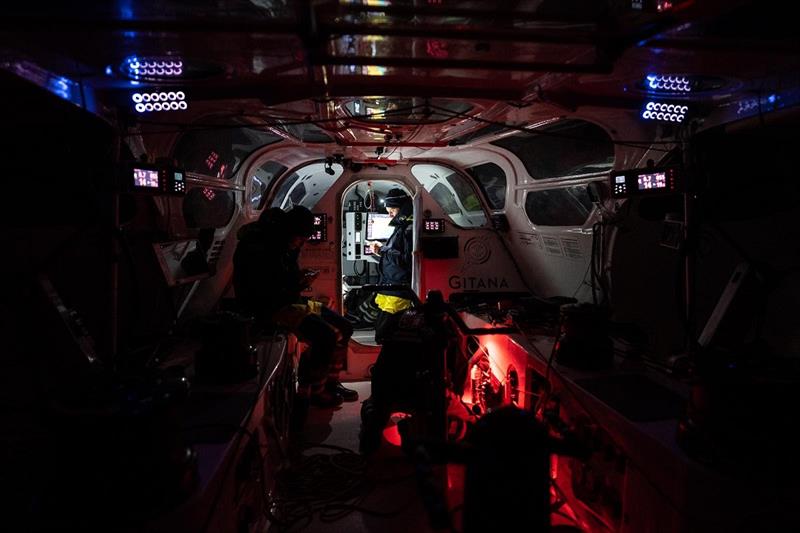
(268, 283)
(395, 263)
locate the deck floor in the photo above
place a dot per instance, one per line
(331, 488)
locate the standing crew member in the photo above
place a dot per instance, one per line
(395, 263)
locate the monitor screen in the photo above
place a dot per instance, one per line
(657, 180)
(143, 177)
(378, 227)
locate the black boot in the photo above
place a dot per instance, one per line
(324, 398)
(372, 425)
(336, 387)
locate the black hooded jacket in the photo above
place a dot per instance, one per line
(395, 263)
(266, 276)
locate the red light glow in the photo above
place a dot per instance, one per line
(211, 160)
(437, 49)
(498, 356)
(391, 433)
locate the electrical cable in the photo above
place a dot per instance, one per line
(596, 262)
(363, 270)
(595, 420)
(593, 262)
(327, 485)
(555, 507)
(582, 281)
(543, 403)
(548, 389)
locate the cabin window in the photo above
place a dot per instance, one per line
(491, 129)
(307, 133)
(297, 194)
(566, 206)
(566, 148)
(204, 207)
(453, 193)
(445, 198)
(218, 151)
(306, 186)
(492, 181)
(259, 183)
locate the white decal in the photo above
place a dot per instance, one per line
(473, 283)
(572, 248)
(552, 245)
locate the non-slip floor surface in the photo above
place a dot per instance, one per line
(332, 488)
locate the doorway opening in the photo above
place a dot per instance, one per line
(364, 220)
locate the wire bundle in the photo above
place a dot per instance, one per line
(326, 485)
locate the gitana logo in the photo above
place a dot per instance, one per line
(476, 251)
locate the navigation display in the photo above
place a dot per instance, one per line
(378, 227)
(143, 177)
(645, 182)
(146, 179)
(657, 180)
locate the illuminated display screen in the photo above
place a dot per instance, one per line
(378, 227)
(145, 178)
(320, 233)
(644, 181)
(433, 225)
(657, 180)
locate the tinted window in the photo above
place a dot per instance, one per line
(259, 183)
(204, 207)
(284, 189)
(219, 151)
(445, 198)
(483, 132)
(306, 186)
(297, 194)
(309, 133)
(566, 148)
(566, 206)
(492, 181)
(453, 193)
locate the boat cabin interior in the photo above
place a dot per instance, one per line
(602, 331)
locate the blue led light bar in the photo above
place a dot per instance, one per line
(668, 83)
(665, 112)
(153, 67)
(159, 101)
